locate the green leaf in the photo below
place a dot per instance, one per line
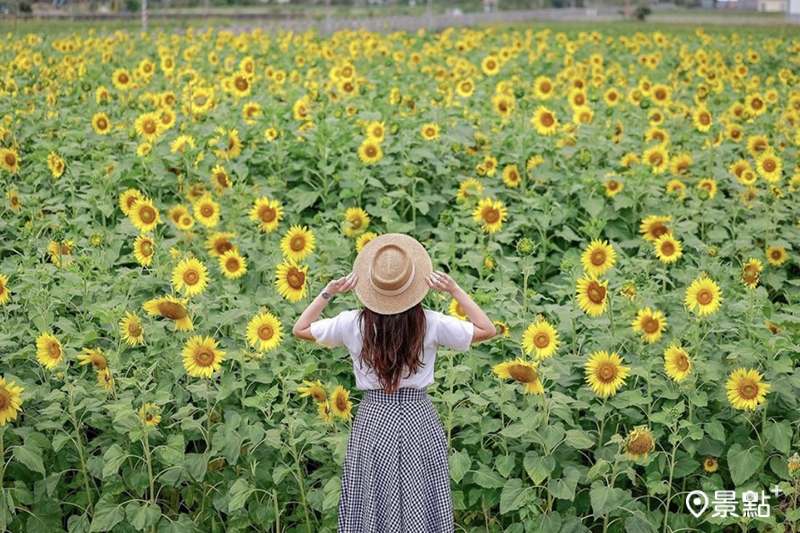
(513, 496)
(547, 522)
(563, 487)
(332, 492)
(107, 514)
(604, 498)
(779, 434)
(538, 467)
(578, 439)
(142, 517)
(239, 492)
(637, 524)
(488, 479)
(30, 456)
(460, 464)
(743, 463)
(505, 464)
(113, 459)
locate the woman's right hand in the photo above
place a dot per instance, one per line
(441, 282)
(344, 284)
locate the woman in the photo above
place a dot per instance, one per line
(396, 477)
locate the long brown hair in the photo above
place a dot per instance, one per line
(392, 343)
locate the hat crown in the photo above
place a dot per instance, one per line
(391, 267)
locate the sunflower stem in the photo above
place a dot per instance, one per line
(610, 315)
(79, 446)
(669, 485)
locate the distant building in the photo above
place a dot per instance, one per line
(773, 6)
(794, 8)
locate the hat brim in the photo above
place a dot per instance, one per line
(414, 294)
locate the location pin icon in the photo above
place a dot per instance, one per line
(697, 502)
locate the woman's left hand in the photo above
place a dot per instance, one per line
(338, 286)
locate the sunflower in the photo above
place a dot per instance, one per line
(105, 380)
(746, 391)
(598, 258)
(613, 188)
(290, 278)
(668, 248)
(220, 179)
(101, 124)
(545, 121)
(182, 143)
(701, 118)
(429, 131)
(707, 187)
(751, 271)
(128, 198)
(297, 243)
(201, 357)
(492, 213)
(315, 389)
(363, 239)
(339, 403)
(370, 151)
(170, 308)
(13, 199)
(769, 166)
(523, 372)
(268, 213)
(5, 294)
(56, 164)
(150, 414)
(130, 327)
(206, 211)
(605, 373)
(232, 265)
(48, 350)
(542, 337)
(356, 221)
(60, 252)
(776, 255)
(490, 65)
(9, 160)
(325, 412)
(650, 323)
(511, 176)
(654, 226)
(592, 295)
(264, 331)
(121, 79)
(144, 215)
(376, 131)
(639, 443)
(657, 157)
(190, 276)
(94, 357)
(10, 402)
(677, 363)
(710, 464)
(148, 127)
(144, 250)
(705, 295)
(219, 243)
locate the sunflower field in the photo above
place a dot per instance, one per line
(624, 204)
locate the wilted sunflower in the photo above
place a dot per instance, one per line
(170, 308)
(56, 164)
(130, 327)
(297, 243)
(356, 220)
(206, 211)
(220, 179)
(592, 295)
(144, 215)
(751, 272)
(544, 120)
(232, 265)
(5, 294)
(219, 243)
(94, 357)
(324, 411)
(340, 405)
(10, 402)
(315, 389)
(9, 160)
(190, 276)
(268, 213)
(776, 255)
(650, 323)
(150, 414)
(370, 151)
(290, 278)
(746, 391)
(710, 465)
(654, 226)
(48, 350)
(105, 380)
(605, 373)
(201, 357)
(144, 250)
(523, 372)
(677, 363)
(264, 331)
(668, 248)
(705, 295)
(542, 337)
(598, 258)
(492, 213)
(640, 443)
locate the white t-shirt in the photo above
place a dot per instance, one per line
(440, 330)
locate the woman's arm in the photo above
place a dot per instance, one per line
(302, 328)
(484, 328)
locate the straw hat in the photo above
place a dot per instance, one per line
(391, 272)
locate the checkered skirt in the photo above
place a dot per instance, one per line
(396, 476)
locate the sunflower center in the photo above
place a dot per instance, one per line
(371, 151)
(232, 264)
(667, 248)
(640, 445)
(650, 325)
(658, 229)
(149, 127)
(123, 78)
(748, 389)
(147, 214)
(776, 254)
(704, 119)
(134, 329)
(705, 297)
(172, 310)
(191, 277)
(267, 214)
(596, 292)
(265, 332)
(756, 104)
(541, 340)
(660, 94)
(99, 363)
(356, 223)
(598, 257)
(769, 165)
(547, 120)
(102, 123)
(207, 210)
(341, 403)
(545, 87)
(682, 362)
(491, 215)
(241, 84)
(5, 399)
(222, 246)
(319, 394)
(11, 159)
(222, 179)
(295, 279)
(297, 243)
(607, 372)
(54, 350)
(204, 357)
(147, 248)
(523, 374)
